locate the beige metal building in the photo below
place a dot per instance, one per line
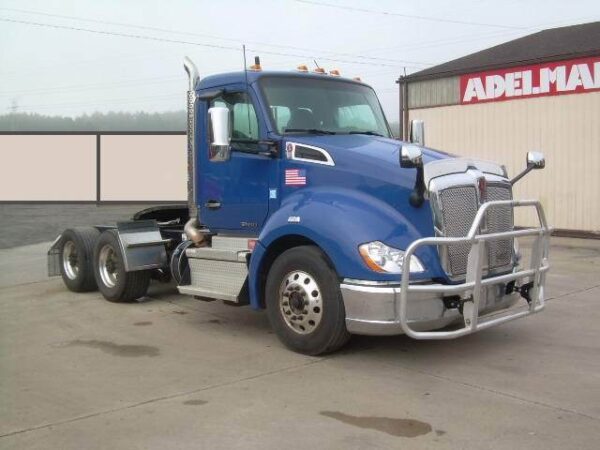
(540, 92)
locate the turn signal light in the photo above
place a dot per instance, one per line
(302, 68)
(320, 70)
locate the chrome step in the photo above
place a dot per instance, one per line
(219, 271)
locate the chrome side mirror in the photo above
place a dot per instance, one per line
(536, 160)
(220, 148)
(417, 132)
(411, 156)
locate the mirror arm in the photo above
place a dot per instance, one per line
(417, 196)
(528, 169)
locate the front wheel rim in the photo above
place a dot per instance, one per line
(300, 302)
(70, 260)
(107, 266)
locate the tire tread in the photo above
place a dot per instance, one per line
(135, 283)
(339, 334)
(87, 238)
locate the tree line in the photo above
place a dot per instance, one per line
(110, 121)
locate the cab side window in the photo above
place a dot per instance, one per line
(244, 123)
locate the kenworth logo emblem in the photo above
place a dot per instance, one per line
(482, 187)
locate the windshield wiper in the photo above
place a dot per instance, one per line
(370, 133)
(308, 130)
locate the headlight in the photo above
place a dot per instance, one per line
(382, 258)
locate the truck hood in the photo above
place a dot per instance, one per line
(367, 172)
(366, 156)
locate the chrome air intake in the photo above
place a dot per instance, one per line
(192, 230)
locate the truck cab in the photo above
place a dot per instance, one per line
(301, 202)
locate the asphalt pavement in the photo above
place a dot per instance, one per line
(78, 372)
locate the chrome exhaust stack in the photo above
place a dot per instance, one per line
(192, 227)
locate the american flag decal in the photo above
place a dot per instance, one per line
(295, 177)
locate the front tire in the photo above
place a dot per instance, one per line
(114, 282)
(304, 302)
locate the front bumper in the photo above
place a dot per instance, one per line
(419, 309)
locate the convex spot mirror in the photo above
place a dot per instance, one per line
(536, 160)
(220, 126)
(411, 156)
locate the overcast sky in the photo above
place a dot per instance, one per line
(68, 72)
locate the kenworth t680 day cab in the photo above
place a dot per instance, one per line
(300, 202)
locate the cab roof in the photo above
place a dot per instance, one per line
(221, 79)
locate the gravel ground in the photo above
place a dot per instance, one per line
(24, 224)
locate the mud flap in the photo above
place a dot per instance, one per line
(53, 261)
(142, 245)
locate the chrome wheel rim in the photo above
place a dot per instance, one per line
(300, 302)
(107, 265)
(70, 260)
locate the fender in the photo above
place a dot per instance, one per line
(338, 220)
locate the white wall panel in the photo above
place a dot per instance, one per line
(566, 128)
(47, 168)
(143, 168)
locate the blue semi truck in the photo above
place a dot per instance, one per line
(301, 202)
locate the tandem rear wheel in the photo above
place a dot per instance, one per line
(114, 282)
(76, 254)
(304, 302)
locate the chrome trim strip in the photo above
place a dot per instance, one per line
(355, 282)
(449, 166)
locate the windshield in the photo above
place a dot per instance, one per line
(325, 106)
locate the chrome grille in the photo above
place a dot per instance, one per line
(498, 219)
(458, 206)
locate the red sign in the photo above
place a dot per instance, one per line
(557, 78)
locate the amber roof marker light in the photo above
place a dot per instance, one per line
(256, 67)
(302, 68)
(334, 73)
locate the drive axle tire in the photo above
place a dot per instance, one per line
(76, 253)
(115, 284)
(304, 302)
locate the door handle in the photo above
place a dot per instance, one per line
(213, 204)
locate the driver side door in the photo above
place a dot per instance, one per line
(234, 194)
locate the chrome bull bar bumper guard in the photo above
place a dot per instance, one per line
(471, 290)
